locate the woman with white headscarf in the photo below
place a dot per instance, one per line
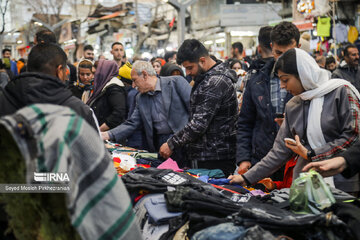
(323, 117)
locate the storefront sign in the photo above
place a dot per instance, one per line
(304, 25)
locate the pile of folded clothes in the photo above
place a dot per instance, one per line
(191, 205)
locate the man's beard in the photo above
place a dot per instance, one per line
(199, 72)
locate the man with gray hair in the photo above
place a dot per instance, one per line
(162, 109)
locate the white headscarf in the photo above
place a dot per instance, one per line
(317, 84)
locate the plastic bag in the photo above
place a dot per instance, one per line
(310, 194)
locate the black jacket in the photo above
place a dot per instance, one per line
(344, 71)
(76, 91)
(110, 105)
(30, 88)
(352, 157)
(256, 126)
(211, 130)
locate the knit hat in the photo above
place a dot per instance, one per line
(125, 73)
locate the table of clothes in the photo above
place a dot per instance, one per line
(201, 204)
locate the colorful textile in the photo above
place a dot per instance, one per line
(170, 164)
(212, 173)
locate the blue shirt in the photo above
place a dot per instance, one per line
(158, 114)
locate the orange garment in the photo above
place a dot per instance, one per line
(19, 65)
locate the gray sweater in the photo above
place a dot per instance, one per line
(339, 123)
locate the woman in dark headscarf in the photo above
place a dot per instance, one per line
(171, 69)
(109, 98)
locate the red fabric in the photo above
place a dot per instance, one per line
(288, 174)
(171, 24)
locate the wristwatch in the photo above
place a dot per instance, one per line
(310, 154)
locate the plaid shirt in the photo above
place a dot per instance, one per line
(277, 95)
(211, 130)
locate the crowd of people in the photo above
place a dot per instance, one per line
(201, 111)
(235, 115)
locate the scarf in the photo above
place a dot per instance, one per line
(106, 70)
(317, 84)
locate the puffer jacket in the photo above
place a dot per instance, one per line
(211, 130)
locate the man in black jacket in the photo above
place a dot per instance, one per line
(43, 83)
(348, 69)
(211, 130)
(263, 100)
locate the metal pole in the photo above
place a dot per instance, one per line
(181, 10)
(181, 25)
(334, 28)
(335, 49)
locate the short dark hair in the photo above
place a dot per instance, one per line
(116, 43)
(283, 34)
(287, 63)
(45, 36)
(88, 47)
(169, 55)
(45, 58)
(191, 50)
(238, 45)
(329, 60)
(264, 37)
(346, 52)
(5, 50)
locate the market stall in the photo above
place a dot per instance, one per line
(174, 203)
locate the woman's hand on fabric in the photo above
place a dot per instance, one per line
(299, 149)
(328, 167)
(237, 179)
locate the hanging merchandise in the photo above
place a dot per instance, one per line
(323, 26)
(353, 34)
(321, 7)
(341, 33)
(305, 6)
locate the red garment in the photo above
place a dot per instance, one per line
(288, 174)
